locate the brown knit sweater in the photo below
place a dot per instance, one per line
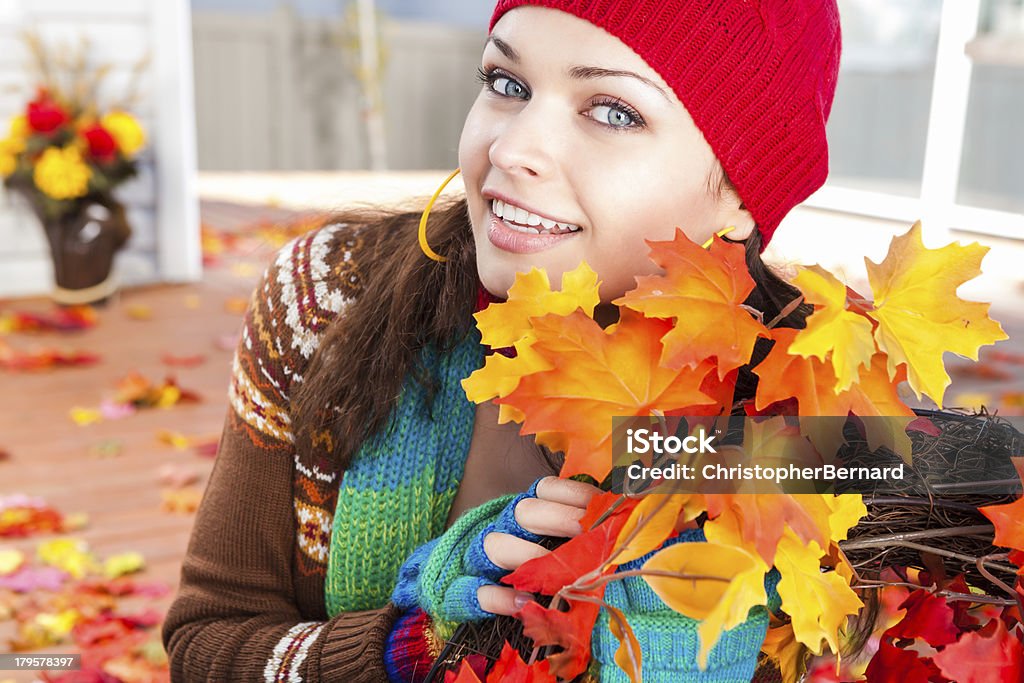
(251, 601)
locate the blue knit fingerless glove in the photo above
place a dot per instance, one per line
(668, 639)
(442, 576)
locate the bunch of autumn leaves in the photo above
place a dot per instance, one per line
(676, 349)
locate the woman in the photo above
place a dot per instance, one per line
(350, 447)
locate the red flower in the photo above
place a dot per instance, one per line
(46, 116)
(102, 145)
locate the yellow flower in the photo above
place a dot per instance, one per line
(19, 127)
(62, 174)
(126, 131)
(7, 162)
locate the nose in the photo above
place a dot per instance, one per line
(524, 146)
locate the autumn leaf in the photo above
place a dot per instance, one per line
(832, 330)
(500, 375)
(703, 290)
(1008, 519)
(503, 324)
(817, 602)
(786, 651)
(928, 617)
(569, 630)
(783, 375)
(733, 582)
(919, 315)
(595, 376)
(893, 664)
(510, 668)
(575, 558)
(652, 521)
(992, 655)
(628, 655)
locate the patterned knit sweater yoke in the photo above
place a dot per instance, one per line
(399, 488)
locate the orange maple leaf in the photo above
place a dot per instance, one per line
(595, 376)
(703, 289)
(1008, 519)
(783, 375)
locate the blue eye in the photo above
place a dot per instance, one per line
(617, 114)
(501, 84)
(506, 86)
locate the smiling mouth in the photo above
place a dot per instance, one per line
(523, 221)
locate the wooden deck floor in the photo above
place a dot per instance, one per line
(50, 456)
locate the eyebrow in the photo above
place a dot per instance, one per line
(579, 72)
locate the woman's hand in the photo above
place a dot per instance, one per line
(555, 511)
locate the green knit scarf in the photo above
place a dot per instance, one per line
(398, 491)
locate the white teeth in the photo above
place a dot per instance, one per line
(527, 222)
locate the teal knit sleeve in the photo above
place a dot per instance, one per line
(669, 640)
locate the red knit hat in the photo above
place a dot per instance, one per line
(757, 76)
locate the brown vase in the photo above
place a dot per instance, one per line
(82, 243)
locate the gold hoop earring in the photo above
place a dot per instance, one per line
(424, 247)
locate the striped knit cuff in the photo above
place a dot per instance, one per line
(408, 652)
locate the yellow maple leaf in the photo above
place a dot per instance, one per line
(68, 554)
(832, 329)
(504, 324)
(704, 291)
(720, 603)
(125, 563)
(919, 315)
(656, 518)
(786, 651)
(817, 602)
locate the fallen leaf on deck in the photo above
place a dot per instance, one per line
(116, 411)
(183, 361)
(85, 416)
(22, 516)
(177, 476)
(206, 448)
(176, 440)
(68, 554)
(60, 320)
(139, 312)
(32, 579)
(10, 561)
(181, 501)
(42, 359)
(192, 301)
(125, 563)
(236, 304)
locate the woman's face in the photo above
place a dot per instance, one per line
(574, 128)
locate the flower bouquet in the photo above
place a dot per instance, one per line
(66, 155)
(673, 361)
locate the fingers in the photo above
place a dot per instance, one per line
(547, 518)
(566, 491)
(501, 600)
(509, 552)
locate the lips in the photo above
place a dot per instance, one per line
(528, 222)
(519, 239)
